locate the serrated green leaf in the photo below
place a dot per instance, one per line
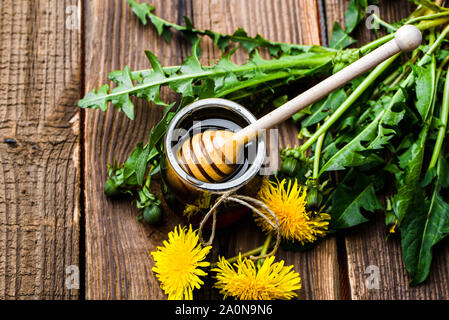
(96, 99)
(158, 24)
(132, 160)
(141, 165)
(411, 162)
(442, 54)
(192, 63)
(340, 39)
(354, 14)
(359, 151)
(122, 179)
(144, 11)
(347, 202)
(424, 87)
(122, 101)
(425, 224)
(158, 131)
(192, 80)
(141, 156)
(353, 153)
(152, 94)
(188, 23)
(249, 45)
(322, 109)
(157, 67)
(141, 10)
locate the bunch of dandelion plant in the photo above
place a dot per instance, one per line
(389, 125)
(181, 265)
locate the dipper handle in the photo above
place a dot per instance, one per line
(407, 38)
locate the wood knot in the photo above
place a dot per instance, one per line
(10, 142)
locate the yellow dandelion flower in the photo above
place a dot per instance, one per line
(203, 202)
(248, 282)
(393, 227)
(178, 262)
(289, 205)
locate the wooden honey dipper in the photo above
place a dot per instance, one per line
(210, 156)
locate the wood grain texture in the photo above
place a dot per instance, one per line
(367, 245)
(287, 21)
(39, 148)
(118, 262)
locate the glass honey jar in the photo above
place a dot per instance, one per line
(195, 197)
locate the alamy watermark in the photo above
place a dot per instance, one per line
(72, 280)
(372, 11)
(372, 281)
(73, 15)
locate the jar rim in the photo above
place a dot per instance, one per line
(217, 187)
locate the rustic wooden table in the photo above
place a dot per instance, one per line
(53, 156)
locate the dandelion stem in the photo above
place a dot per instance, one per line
(383, 23)
(429, 24)
(376, 43)
(243, 255)
(442, 129)
(429, 17)
(264, 250)
(316, 159)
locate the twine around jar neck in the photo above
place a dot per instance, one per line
(248, 202)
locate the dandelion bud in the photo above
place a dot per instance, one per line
(290, 166)
(314, 199)
(152, 214)
(149, 206)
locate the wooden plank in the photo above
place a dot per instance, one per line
(288, 21)
(118, 264)
(39, 149)
(118, 261)
(367, 245)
